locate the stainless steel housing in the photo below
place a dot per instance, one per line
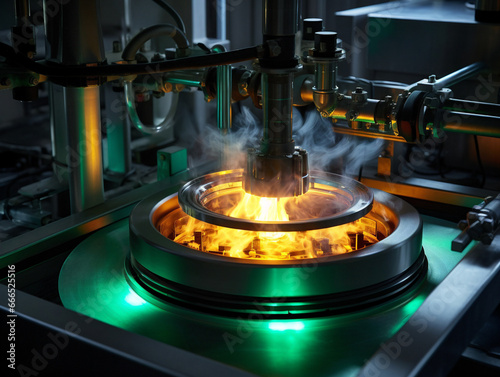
(355, 200)
(158, 264)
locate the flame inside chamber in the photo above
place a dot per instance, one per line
(276, 245)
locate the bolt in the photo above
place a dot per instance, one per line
(33, 81)
(359, 89)
(388, 99)
(431, 79)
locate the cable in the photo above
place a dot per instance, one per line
(479, 162)
(128, 54)
(148, 33)
(202, 61)
(173, 13)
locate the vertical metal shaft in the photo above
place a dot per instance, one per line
(84, 147)
(118, 130)
(58, 131)
(277, 107)
(22, 10)
(224, 84)
(279, 17)
(278, 168)
(279, 22)
(74, 38)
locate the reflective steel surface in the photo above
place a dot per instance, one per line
(355, 200)
(92, 282)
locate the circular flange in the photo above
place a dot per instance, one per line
(164, 260)
(343, 200)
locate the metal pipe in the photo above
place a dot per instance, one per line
(224, 90)
(74, 38)
(277, 168)
(365, 133)
(58, 131)
(279, 21)
(22, 10)
(279, 17)
(224, 98)
(452, 78)
(346, 109)
(466, 123)
(74, 34)
(474, 107)
(118, 130)
(277, 107)
(84, 147)
(460, 75)
(325, 75)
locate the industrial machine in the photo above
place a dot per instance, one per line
(239, 188)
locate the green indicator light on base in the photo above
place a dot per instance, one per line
(134, 299)
(282, 326)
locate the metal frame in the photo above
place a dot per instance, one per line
(69, 343)
(433, 339)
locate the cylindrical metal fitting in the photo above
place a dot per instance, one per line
(74, 38)
(279, 17)
(325, 74)
(466, 123)
(277, 176)
(311, 26)
(325, 43)
(74, 32)
(84, 151)
(277, 97)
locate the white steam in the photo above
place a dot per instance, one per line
(312, 132)
(328, 151)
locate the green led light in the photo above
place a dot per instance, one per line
(282, 326)
(134, 299)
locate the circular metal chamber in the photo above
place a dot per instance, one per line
(342, 199)
(166, 272)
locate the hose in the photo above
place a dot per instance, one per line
(154, 31)
(173, 13)
(129, 55)
(134, 117)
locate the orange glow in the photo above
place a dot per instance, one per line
(209, 238)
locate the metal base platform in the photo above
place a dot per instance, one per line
(92, 282)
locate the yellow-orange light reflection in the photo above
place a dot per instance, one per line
(230, 242)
